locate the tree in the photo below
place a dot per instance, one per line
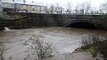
(52, 9)
(68, 11)
(76, 7)
(37, 48)
(24, 1)
(46, 9)
(69, 8)
(85, 7)
(58, 9)
(103, 8)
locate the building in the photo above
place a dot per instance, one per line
(0, 6)
(21, 6)
(13, 1)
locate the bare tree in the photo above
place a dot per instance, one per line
(52, 9)
(24, 1)
(103, 8)
(68, 11)
(37, 48)
(76, 7)
(58, 9)
(101, 12)
(69, 8)
(85, 7)
(47, 9)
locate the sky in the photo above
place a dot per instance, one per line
(94, 3)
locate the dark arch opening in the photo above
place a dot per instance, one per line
(85, 25)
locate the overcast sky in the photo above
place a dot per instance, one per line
(94, 3)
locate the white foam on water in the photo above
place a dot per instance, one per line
(7, 29)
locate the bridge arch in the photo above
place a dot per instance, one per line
(82, 24)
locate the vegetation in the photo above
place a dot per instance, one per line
(96, 46)
(84, 8)
(37, 48)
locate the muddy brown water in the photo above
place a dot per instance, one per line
(65, 40)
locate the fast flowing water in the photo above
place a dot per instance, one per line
(65, 40)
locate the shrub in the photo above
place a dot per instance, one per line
(92, 51)
(38, 49)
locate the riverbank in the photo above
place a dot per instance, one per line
(97, 49)
(77, 55)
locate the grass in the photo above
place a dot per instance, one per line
(95, 46)
(98, 47)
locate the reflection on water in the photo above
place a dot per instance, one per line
(65, 40)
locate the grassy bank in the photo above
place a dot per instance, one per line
(95, 45)
(96, 48)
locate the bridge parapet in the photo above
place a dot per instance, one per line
(47, 20)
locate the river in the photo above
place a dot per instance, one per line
(65, 40)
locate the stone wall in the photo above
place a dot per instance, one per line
(27, 20)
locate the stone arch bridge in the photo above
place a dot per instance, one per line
(25, 20)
